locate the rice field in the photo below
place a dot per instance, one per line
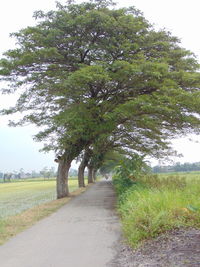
(16, 197)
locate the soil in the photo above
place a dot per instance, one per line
(177, 248)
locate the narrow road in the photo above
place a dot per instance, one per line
(83, 233)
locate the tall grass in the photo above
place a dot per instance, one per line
(155, 204)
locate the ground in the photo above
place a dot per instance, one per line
(86, 233)
(177, 248)
(83, 233)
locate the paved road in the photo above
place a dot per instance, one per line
(83, 233)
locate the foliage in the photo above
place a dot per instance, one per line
(48, 172)
(22, 175)
(111, 160)
(87, 70)
(158, 204)
(128, 172)
(178, 167)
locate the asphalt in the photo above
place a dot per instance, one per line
(83, 233)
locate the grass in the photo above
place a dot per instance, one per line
(16, 197)
(24, 203)
(156, 204)
(188, 175)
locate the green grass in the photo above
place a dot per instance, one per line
(16, 197)
(156, 204)
(188, 175)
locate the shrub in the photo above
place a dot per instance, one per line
(151, 204)
(147, 212)
(127, 174)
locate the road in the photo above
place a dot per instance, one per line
(83, 233)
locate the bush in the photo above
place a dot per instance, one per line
(127, 174)
(151, 204)
(147, 212)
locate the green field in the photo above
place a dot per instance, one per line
(15, 197)
(193, 174)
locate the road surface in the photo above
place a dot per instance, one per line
(83, 233)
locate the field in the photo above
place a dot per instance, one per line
(155, 204)
(188, 175)
(22, 203)
(16, 197)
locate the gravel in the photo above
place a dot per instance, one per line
(177, 248)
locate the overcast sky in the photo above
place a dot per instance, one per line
(17, 150)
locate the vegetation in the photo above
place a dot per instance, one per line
(21, 174)
(88, 72)
(178, 167)
(16, 197)
(151, 204)
(104, 84)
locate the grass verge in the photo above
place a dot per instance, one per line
(12, 225)
(153, 205)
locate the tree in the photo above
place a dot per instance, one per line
(178, 167)
(87, 69)
(87, 153)
(47, 172)
(111, 161)
(73, 172)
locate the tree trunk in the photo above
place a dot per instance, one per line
(90, 175)
(94, 175)
(62, 178)
(81, 169)
(81, 181)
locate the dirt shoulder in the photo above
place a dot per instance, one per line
(178, 248)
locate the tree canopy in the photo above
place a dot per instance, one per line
(91, 70)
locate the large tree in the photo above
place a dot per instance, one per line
(87, 69)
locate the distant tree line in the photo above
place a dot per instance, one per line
(7, 176)
(21, 174)
(46, 173)
(178, 167)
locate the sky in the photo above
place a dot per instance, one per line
(17, 148)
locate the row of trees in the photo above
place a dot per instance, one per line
(21, 174)
(101, 82)
(46, 173)
(178, 167)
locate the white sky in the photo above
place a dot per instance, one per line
(17, 150)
